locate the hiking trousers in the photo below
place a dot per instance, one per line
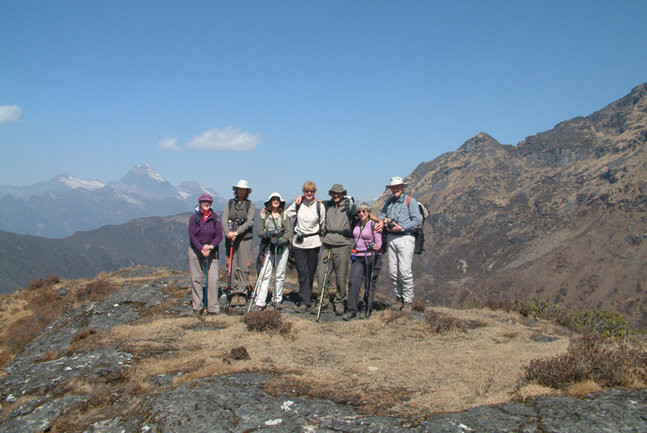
(339, 264)
(399, 250)
(306, 261)
(196, 268)
(265, 275)
(364, 269)
(240, 265)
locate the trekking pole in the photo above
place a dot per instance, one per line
(371, 288)
(261, 277)
(323, 289)
(228, 288)
(276, 250)
(206, 284)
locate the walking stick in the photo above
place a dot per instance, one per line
(261, 277)
(228, 288)
(323, 289)
(206, 285)
(371, 289)
(276, 251)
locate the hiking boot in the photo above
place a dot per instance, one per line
(256, 308)
(397, 306)
(349, 316)
(339, 310)
(406, 307)
(303, 308)
(197, 313)
(277, 306)
(213, 313)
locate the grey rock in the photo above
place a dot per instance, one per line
(38, 415)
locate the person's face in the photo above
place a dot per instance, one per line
(205, 205)
(241, 192)
(309, 194)
(276, 202)
(337, 196)
(363, 215)
(397, 190)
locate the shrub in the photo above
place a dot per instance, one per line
(96, 290)
(40, 283)
(607, 323)
(21, 332)
(267, 321)
(419, 306)
(441, 324)
(590, 357)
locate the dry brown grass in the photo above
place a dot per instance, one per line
(390, 364)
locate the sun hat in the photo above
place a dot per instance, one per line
(205, 197)
(242, 184)
(395, 181)
(338, 189)
(275, 194)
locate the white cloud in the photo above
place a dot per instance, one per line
(168, 143)
(229, 138)
(10, 113)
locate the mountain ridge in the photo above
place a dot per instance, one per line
(66, 204)
(562, 215)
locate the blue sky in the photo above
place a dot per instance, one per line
(280, 92)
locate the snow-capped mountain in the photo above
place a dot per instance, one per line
(66, 204)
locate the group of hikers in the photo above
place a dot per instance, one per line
(334, 236)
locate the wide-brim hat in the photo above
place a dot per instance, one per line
(275, 194)
(337, 189)
(242, 184)
(395, 181)
(205, 197)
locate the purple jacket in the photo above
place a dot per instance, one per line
(203, 232)
(364, 236)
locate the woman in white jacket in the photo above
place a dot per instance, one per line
(309, 218)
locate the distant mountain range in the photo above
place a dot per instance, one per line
(67, 204)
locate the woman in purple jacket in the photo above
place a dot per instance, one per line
(205, 233)
(365, 262)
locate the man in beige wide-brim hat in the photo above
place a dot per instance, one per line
(238, 223)
(401, 220)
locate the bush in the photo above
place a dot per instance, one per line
(96, 290)
(590, 357)
(441, 324)
(22, 331)
(267, 321)
(419, 306)
(607, 323)
(40, 283)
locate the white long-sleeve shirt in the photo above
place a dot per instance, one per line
(307, 222)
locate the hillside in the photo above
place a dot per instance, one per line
(561, 216)
(155, 241)
(123, 352)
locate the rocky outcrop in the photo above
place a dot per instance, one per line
(38, 392)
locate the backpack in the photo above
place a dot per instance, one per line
(419, 247)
